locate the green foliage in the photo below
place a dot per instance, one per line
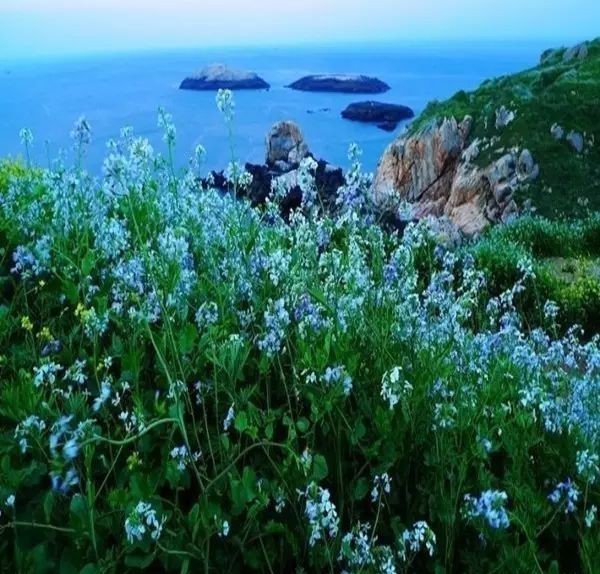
(188, 384)
(566, 260)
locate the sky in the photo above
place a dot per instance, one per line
(49, 27)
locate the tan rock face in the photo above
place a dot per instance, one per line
(285, 142)
(433, 171)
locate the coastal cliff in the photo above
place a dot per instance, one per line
(528, 141)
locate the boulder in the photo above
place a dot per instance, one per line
(578, 52)
(345, 83)
(386, 116)
(576, 141)
(504, 117)
(557, 132)
(218, 77)
(285, 143)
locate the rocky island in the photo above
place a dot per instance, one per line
(342, 83)
(386, 116)
(218, 77)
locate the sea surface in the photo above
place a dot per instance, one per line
(48, 94)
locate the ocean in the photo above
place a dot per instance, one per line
(115, 90)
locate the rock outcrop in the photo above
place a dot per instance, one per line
(221, 77)
(578, 52)
(345, 83)
(434, 171)
(285, 145)
(576, 141)
(386, 116)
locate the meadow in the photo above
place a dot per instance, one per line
(191, 384)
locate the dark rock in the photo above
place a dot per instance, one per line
(345, 83)
(328, 180)
(220, 77)
(387, 126)
(386, 116)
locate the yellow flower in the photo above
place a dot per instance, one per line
(45, 334)
(27, 324)
(133, 460)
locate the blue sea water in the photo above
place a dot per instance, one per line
(47, 95)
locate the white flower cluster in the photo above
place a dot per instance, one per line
(321, 514)
(143, 520)
(415, 539)
(394, 387)
(381, 485)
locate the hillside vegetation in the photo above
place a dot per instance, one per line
(566, 93)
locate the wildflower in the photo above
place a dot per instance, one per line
(25, 428)
(226, 104)
(46, 374)
(591, 515)
(276, 320)
(207, 315)
(338, 376)
(414, 540)
(26, 324)
(357, 549)
(143, 520)
(224, 529)
(26, 136)
(381, 484)
(321, 513)
(567, 494)
(82, 132)
(306, 460)
(165, 122)
(489, 507)
(229, 418)
(105, 393)
(280, 501)
(10, 501)
(63, 484)
(588, 466)
(394, 386)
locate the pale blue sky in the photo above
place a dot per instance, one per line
(35, 27)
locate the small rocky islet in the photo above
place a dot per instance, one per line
(386, 116)
(340, 83)
(220, 77)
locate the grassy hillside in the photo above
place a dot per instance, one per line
(566, 93)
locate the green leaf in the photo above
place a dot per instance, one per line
(361, 488)
(320, 470)
(88, 263)
(48, 505)
(141, 561)
(241, 421)
(188, 338)
(79, 514)
(303, 424)
(71, 291)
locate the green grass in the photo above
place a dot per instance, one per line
(553, 92)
